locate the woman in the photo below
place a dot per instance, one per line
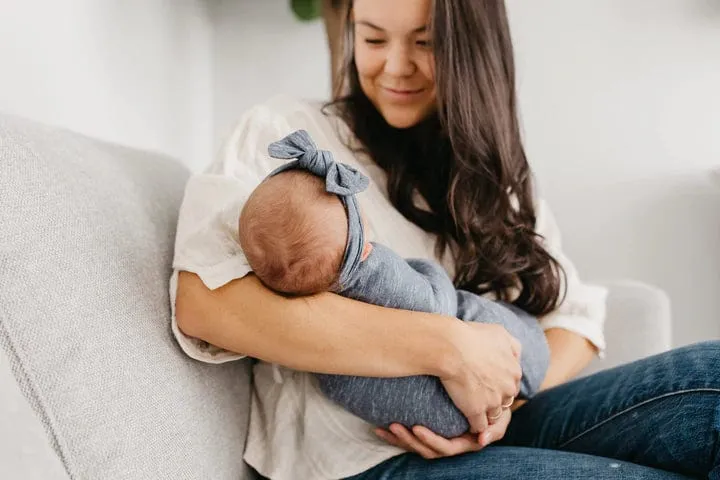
(431, 102)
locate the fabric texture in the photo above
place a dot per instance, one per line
(295, 431)
(24, 448)
(85, 253)
(386, 279)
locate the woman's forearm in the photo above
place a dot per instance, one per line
(324, 333)
(569, 355)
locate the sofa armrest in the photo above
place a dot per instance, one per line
(638, 323)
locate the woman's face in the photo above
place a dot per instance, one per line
(393, 55)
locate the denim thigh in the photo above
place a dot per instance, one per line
(512, 463)
(662, 411)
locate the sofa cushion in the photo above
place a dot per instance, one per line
(85, 252)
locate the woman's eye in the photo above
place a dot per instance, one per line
(374, 41)
(423, 43)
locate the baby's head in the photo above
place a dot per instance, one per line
(294, 233)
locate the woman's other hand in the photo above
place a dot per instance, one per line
(431, 445)
(485, 375)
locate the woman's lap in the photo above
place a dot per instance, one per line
(512, 463)
(661, 412)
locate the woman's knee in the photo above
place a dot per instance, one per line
(681, 370)
(699, 362)
(699, 353)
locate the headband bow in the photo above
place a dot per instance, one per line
(340, 179)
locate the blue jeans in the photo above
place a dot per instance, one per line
(656, 418)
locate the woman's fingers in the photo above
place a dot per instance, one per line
(516, 346)
(444, 446)
(489, 374)
(388, 437)
(428, 444)
(478, 423)
(508, 402)
(494, 415)
(496, 431)
(408, 441)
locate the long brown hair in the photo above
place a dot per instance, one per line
(467, 159)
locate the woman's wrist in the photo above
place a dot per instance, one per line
(446, 359)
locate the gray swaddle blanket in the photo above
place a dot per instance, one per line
(386, 279)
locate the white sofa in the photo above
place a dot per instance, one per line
(92, 384)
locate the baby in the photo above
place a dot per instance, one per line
(302, 233)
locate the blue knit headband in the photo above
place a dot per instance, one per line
(340, 179)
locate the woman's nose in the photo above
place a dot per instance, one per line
(398, 62)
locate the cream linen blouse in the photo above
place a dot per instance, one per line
(294, 431)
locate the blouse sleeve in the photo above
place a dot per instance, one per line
(583, 309)
(207, 238)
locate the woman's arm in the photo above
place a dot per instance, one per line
(326, 333)
(323, 333)
(574, 330)
(570, 353)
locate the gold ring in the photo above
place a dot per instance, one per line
(509, 404)
(495, 417)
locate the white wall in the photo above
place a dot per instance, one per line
(136, 72)
(621, 107)
(261, 50)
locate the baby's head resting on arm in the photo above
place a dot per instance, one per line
(294, 233)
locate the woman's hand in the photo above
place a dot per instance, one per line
(482, 384)
(430, 445)
(486, 377)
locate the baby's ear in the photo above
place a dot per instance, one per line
(366, 251)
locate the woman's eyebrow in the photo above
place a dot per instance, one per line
(375, 27)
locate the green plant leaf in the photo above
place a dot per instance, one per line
(306, 10)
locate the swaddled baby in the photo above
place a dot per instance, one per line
(302, 233)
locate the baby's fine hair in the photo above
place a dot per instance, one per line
(294, 233)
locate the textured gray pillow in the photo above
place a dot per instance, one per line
(86, 243)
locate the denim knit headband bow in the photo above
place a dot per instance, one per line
(340, 179)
